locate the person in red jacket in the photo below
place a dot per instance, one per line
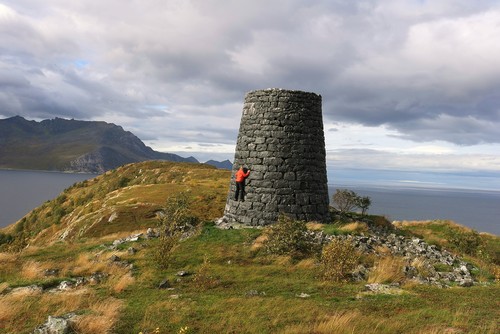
(240, 178)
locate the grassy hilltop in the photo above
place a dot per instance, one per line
(233, 282)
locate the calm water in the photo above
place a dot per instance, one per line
(479, 209)
(21, 191)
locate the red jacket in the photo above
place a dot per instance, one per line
(241, 175)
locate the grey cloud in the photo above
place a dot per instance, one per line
(375, 63)
(459, 130)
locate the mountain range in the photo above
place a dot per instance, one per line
(73, 145)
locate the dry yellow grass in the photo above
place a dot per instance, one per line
(282, 260)
(307, 264)
(85, 264)
(338, 323)
(383, 250)
(11, 305)
(458, 321)
(355, 227)
(119, 278)
(259, 242)
(441, 330)
(313, 226)
(102, 317)
(3, 286)
(8, 258)
(18, 307)
(387, 269)
(406, 223)
(123, 282)
(422, 266)
(32, 270)
(9, 263)
(64, 302)
(118, 235)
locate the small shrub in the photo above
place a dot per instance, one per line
(344, 200)
(123, 182)
(5, 238)
(292, 238)
(363, 203)
(163, 252)
(338, 259)
(174, 221)
(465, 241)
(203, 279)
(496, 273)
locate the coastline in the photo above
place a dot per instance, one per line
(45, 171)
(478, 209)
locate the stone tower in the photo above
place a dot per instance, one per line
(281, 142)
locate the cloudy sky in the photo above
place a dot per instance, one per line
(408, 85)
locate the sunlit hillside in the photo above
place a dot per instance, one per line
(87, 259)
(122, 200)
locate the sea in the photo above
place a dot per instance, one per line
(21, 191)
(477, 209)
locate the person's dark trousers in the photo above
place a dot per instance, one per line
(240, 191)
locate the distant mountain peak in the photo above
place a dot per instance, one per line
(226, 164)
(72, 145)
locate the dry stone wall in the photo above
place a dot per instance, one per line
(281, 141)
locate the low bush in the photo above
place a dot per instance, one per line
(174, 221)
(468, 242)
(292, 238)
(5, 238)
(204, 279)
(338, 259)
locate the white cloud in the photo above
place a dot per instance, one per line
(415, 80)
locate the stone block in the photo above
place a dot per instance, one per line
(273, 176)
(302, 198)
(259, 140)
(281, 184)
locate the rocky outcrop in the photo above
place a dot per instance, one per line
(97, 161)
(426, 264)
(57, 325)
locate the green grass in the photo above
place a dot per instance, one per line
(241, 289)
(229, 306)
